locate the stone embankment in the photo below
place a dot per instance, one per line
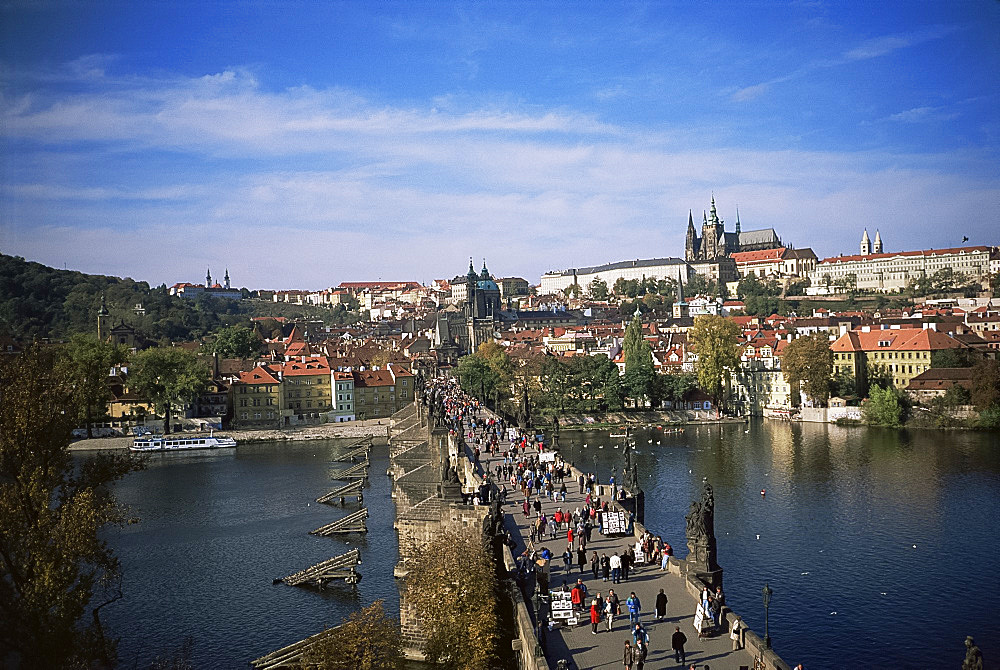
(377, 429)
(585, 421)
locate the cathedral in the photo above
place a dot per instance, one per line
(475, 317)
(716, 243)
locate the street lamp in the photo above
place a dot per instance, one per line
(766, 592)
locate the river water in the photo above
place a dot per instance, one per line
(834, 537)
(216, 528)
(881, 546)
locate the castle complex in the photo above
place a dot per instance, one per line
(716, 243)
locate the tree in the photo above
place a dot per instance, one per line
(716, 341)
(877, 374)
(87, 362)
(884, 407)
(167, 376)
(598, 289)
(986, 385)
(54, 567)
(487, 373)
(236, 342)
(367, 640)
(807, 364)
(452, 585)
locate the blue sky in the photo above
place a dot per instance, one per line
(301, 144)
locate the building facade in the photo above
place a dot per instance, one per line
(659, 268)
(305, 389)
(343, 398)
(891, 272)
(256, 399)
(901, 354)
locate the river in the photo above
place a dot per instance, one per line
(216, 528)
(881, 546)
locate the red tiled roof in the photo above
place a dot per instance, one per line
(314, 365)
(905, 339)
(259, 375)
(758, 256)
(923, 252)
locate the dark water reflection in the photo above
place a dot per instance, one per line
(881, 546)
(216, 529)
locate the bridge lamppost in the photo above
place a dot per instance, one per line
(767, 591)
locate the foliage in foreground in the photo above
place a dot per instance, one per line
(885, 406)
(367, 640)
(54, 568)
(452, 585)
(716, 341)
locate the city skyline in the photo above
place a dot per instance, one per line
(336, 142)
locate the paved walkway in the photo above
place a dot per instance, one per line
(604, 650)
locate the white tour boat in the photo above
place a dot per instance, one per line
(179, 443)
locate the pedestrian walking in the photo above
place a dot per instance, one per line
(616, 568)
(661, 605)
(677, 642)
(595, 564)
(613, 607)
(605, 567)
(581, 558)
(737, 634)
(634, 608)
(628, 657)
(595, 617)
(641, 649)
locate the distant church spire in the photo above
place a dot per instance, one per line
(227, 278)
(878, 243)
(737, 220)
(208, 278)
(866, 244)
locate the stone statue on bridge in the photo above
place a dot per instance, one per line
(702, 553)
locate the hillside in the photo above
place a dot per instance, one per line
(37, 301)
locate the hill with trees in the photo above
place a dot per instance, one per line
(39, 302)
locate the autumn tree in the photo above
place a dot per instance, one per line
(366, 640)
(487, 373)
(167, 376)
(986, 384)
(54, 567)
(452, 584)
(87, 362)
(716, 341)
(807, 364)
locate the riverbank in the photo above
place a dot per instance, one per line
(638, 419)
(375, 428)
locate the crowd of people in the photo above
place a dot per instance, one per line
(518, 464)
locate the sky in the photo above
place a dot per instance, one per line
(301, 144)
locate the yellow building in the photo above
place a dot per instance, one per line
(305, 390)
(381, 393)
(256, 399)
(902, 353)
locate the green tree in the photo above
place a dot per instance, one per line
(487, 373)
(807, 364)
(884, 407)
(236, 342)
(843, 384)
(167, 376)
(54, 567)
(986, 384)
(877, 374)
(452, 585)
(716, 341)
(598, 289)
(87, 362)
(632, 340)
(366, 640)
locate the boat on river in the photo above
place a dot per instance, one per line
(179, 443)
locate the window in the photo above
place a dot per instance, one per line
(243, 403)
(244, 415)
(256, 415)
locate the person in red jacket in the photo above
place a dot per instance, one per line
(576, 596)
(595, 617)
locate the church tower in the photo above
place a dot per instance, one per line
(102, 320)
(878, 243)
(208, 278)
(691, 240)
(227, 279)
(866, 244)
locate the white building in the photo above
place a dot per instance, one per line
(660, 268)
(889, 272)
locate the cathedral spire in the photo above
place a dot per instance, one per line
(737, 219)
(866, 244)
(227, 278)
(485, 274)
(878, 243)
(714, 218)
(208, 278)
(690, 222)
